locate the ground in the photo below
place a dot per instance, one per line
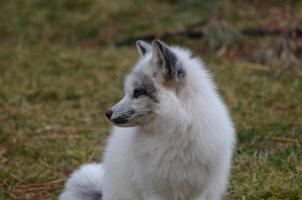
(60, 69)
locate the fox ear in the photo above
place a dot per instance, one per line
(143, 47)
(167, 60)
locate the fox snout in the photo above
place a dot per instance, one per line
(119, 117)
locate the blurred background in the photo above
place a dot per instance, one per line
(62, 63)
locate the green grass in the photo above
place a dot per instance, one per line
(59, 72)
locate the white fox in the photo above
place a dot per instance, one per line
(173, 138)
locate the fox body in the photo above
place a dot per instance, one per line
(173, 138)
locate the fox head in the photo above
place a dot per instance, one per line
(152, 88)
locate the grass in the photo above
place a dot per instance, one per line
(59, 73)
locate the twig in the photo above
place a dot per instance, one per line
(285, 140)
(189, 32)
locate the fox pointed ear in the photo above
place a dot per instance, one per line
(167, 60)
(143, 47)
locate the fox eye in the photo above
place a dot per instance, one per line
(139, 92)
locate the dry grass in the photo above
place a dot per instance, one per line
(57, 78)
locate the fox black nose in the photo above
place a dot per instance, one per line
(109, 114)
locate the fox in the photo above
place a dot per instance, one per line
(172, 136)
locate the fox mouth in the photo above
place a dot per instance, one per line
(120, 120)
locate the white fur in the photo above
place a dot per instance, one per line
(184, 153)
(85, 183)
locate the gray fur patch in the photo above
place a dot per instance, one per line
(170, 61)
(143, 47)
(146, 84)
(92, 195)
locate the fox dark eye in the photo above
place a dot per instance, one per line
(139, 92)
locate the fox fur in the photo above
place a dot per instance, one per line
(173, 138)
